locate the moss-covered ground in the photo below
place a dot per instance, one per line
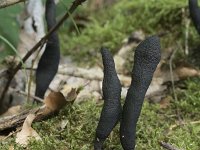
(108, 27)
(155, 124)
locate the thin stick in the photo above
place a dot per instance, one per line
(172, 80)
(6, 3)
(75, 4)
(171, 73)
(12, 133)
(168, 146)
(28, 94)
(187, 25)
(184, 123)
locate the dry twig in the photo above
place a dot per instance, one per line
(173, 86)
(168, 146)
(6, 3)
(28, 94)
(184, 123)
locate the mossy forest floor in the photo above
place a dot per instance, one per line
(156, 124)
(177, 124)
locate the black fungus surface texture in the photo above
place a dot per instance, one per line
(111, 110)
(49, 61)
(146, 59)
(195, 13)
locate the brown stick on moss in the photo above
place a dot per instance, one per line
(147, 57)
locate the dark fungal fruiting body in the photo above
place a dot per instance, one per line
(195, 13)
(111, 111)
(147, 57)
(49, 61)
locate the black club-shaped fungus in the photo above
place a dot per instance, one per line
(49, 61)
(195, 13)
(146, 59)
(111, 110)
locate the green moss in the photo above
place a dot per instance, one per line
(110, 26)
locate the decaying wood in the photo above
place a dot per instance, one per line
(15, 120)
(90, 74)
(6, 3)
(53, 103)
(157, 89)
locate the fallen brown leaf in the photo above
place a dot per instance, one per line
(55, 101)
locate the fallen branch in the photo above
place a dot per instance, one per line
(90, 74)
(6, 3)
(11, 133)
(15, 120)
(53, 103)
(75, 4)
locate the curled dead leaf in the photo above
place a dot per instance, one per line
(55, 101)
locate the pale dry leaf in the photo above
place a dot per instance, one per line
(55, 101)
(11, 147)
(157, 90)
(27, 131)
(63, 124)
